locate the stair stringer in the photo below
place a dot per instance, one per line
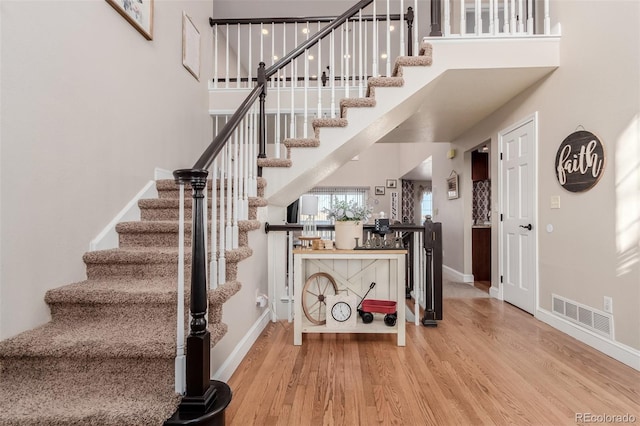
(338, 145)
(395, 104)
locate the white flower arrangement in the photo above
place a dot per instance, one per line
(348, 210)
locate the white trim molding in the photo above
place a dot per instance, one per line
(241, 350)
(456, 276)
(616, 350)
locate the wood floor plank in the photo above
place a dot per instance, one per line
(487, 363)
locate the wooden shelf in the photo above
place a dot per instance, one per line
(353, 270)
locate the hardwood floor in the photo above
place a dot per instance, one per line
(487, 363)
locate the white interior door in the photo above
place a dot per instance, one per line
(518, 224)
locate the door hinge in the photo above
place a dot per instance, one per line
(500, 217)
(501, 278)
(501, 156)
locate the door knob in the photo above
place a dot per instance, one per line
(529, 227)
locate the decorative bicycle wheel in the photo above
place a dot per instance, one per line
(317, 287)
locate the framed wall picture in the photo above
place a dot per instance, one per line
(139, 13)
(452, 186)
(190, 46)
(379, 190)
(392, 183)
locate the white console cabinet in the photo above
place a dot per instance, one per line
(354, 271)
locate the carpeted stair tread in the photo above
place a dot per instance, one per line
(329, 122)
(174, 203)
(136, 255)
(96, 395)
(170, 184)
(95, 338)
(116, 291)
(410, 61)
(172, 226)
(301, 142)
(347, 103)
(274, 162)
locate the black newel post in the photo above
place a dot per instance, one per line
(433, 293)
(262, 129)
(436, 18)
(409, 17)
(206, 399)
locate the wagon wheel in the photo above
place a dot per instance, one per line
(317, 287)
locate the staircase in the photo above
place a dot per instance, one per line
(107, 356)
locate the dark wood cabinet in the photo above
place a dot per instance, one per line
(479, 166)
(481, 253)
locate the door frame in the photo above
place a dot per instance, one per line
(534, 202)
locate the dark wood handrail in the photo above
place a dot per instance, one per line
(289, 57)
(221, 138)
(301, 20)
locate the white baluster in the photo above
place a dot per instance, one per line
(290, 276)
(236, 190)
(506, 17)
(496, 17)
(305, 130)
(530, 20)
(213, 266)
(180, 363)
(416, 32)
(246, 165)
(388, 51)
(250, 64)
(273, 49)
(346, 59)
(401, 29)
(491, 28)
(547, 19)
(447, 18)
(222, 264)
(463, 18)
(277, 116)
(229, 200)
(332, 79)
(374, 42)
(251, 156)
(353, 54)
(520, 17)
(478, 20)
(238, 54)
(215, 56)
(319, 75)
(226, 76)
(360, 57)
(512, 23)
(240, 166)
(262, 42)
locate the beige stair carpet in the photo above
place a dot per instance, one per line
(107, 355)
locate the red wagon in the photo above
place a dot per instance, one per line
(368, 307)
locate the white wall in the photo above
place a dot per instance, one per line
(89, 109)
(594, 250)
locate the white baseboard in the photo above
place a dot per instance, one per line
(623, 353)
(108, 237)
(234, 359)
(456, 276)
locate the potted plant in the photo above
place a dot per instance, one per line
(348, 216)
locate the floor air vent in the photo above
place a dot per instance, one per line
(585, 316)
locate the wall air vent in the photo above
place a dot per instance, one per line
(585, 316)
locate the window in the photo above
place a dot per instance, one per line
(426, 206)
(327, 195)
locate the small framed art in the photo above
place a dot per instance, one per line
(392, 183)
(379, 190)
(139, 13)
